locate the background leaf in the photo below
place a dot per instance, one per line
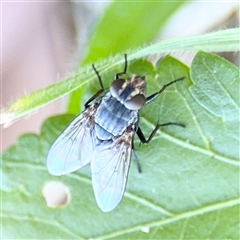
(123, 24)
(189, 188)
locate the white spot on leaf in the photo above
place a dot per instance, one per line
(56, 194)
(145, 229)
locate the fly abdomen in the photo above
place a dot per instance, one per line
(112, 118)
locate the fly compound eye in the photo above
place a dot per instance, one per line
(136, 102)
(116, 86)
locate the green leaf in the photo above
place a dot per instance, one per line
(127, 25)
(189, 185)
(226, 40)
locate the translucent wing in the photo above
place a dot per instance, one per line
(110, 165)
(74, 147)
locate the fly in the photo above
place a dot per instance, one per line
(103, 135)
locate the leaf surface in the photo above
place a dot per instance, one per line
(189, 185)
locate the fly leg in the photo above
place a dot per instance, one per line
(155, 95)
(124, 70)
(146, 141)
(150, 99)
(137, 159)
(86, 105)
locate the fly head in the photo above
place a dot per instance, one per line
(130, 92)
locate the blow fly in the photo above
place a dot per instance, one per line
(103, 135)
